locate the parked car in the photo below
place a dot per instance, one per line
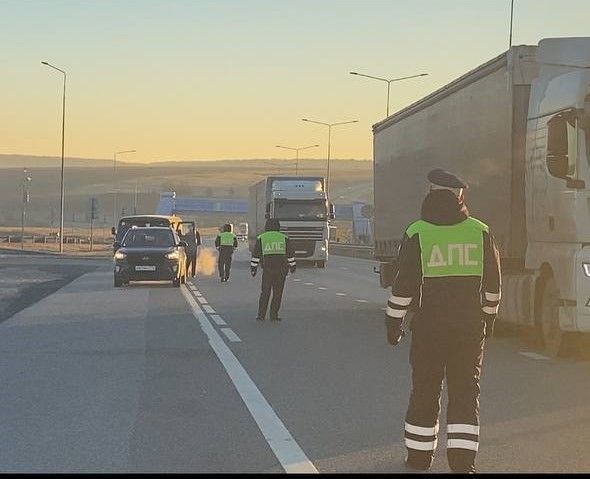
(150, 254)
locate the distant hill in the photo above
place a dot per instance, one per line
(29, 161)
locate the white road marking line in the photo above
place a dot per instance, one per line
(528, 354)
(308, 284)
(361, 300)
(233, 337)
(202, 300)
(340, 294)
(208, 309)
(344, 268)
(297, 280)
(283, 445)
(218, 320)
(321, 288)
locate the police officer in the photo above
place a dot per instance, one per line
(449, 276)
(277, 257)
(226, 242)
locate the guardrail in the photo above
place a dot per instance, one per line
(351, 250)
(31, 239)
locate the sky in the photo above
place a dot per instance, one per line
(224, 79)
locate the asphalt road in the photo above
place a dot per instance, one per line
(151, 378)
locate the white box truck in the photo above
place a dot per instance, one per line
(301, 205)
(517, 128)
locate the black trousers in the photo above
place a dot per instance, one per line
(439, 352)
(273, 280)
(192, 264)
(224, 264)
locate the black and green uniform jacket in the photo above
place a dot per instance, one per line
(276, 253)
(448, 269)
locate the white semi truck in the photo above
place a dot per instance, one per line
(517, 128)
(301, 205)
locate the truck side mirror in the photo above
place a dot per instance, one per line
(558, 166)
(113, 231)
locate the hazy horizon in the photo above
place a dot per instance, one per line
(222, 80)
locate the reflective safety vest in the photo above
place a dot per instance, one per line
(273, 242)
(453, 250)
(227, 238)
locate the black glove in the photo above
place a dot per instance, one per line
(395, 333)
(253, 272)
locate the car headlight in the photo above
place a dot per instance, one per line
(173, 255)
(586, 267)
(120, 255)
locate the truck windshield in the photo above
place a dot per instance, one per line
(310, 210)
(148, 238)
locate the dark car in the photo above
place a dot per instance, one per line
(150, 254)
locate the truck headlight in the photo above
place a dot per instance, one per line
(120, 255)
(173, 255)
(586, 267)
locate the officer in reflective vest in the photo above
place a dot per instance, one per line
(226, 242)
(449, 276)
(274, 252)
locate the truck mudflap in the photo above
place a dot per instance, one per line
(518, 299)
(579, 313)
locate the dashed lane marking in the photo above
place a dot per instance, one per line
(202, 300)
(208, 309)
(361, 300)
(340, 294)
(218, 320)
(285, 448)
(536, 356)
(297, 280)
(233, 337)
(321, 288)
(308, 284)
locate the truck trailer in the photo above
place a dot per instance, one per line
(517, 128)
(301, 205)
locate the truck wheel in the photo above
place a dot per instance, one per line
(321, 264)
(552, 335)
(117, 282)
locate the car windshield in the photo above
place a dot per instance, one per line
(301, 210)
(125, 224)
(148, 238)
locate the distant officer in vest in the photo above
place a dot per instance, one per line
(226, 242)
(274, 252)
(449, 276)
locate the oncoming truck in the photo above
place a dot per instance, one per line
(517, 128)
(301, 204)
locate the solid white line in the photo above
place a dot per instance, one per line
(283, 445)
(208, 309)
(233, 337)
(533, 355)
(218, 320)
(361, 300)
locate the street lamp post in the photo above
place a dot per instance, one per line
(115, 216)
(389, 82)
(25, 201)
(297, 150)
(329, 125)
(63, 129)
(511, 19)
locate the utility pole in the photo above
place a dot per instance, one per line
(25, 200)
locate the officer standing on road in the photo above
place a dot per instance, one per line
(277, 257)
(226, 242)
(449, 275)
